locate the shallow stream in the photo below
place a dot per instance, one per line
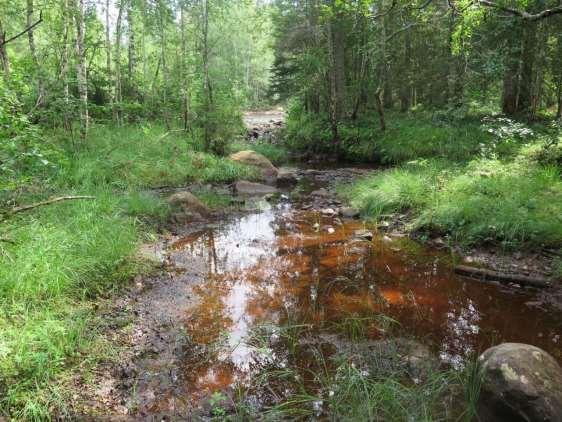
(282, 266)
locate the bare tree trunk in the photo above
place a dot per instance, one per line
(337, 76)
(406, 85)
(206, 80)
(380, 108)
(108, 70)
(33, 50)
(184, 75)
(163, 62)
(4, 54)
(64, 65)
(118, 87)
(132, 46)
(528, 56)
(559, 95)
(510, 87)
(81, 67)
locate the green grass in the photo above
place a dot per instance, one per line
(364, 383)
(57, 260)
(515, 203)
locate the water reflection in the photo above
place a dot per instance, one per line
(283, 266)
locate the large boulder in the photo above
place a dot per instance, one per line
(244, 187)
(252, 158)
(520, 382)
(186, 207)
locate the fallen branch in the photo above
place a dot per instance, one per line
(484, 274)
(47, 202)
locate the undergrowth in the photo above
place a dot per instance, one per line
(56, 260)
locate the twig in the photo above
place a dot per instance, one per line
(522, 13)
(47, 202)
(29, 28)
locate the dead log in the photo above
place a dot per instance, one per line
(484, 274)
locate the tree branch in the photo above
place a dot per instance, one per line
(26, 30)
(47, 202)
(521, 13)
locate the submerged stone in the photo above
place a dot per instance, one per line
(520, 382)
(244, 187)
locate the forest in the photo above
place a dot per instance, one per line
(281, 210)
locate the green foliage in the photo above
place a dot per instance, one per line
(24, 155)
(408, 137)
(147, 156)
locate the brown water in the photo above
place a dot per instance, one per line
(283, 266)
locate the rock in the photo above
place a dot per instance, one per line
(349, 212)
(188, 203)
(244, 187)
(328, 212)
(520, 382)
(252, 158)
(286, 177)
(363, 234)
(320, 192)
(185, 217)
(418, 359)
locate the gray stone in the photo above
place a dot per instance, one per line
(320, 192)
(328, 212)
(244, 187)
(286, 177)
(349, 212)
(520, 382)
(188, 203)
(363, 234)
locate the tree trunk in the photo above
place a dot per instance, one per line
(510, 87)
(207, 89)
(337, 76)
(4, 54)
(184, 75)
(64, 65)
(380, 108)
(108, 70)
(528, 56)
(406, 84)
(34, 58)
(118, 83)
(559, 97)
(81, 68)
(165, 76)
(132, 46)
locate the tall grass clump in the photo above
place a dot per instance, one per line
(511, 203)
